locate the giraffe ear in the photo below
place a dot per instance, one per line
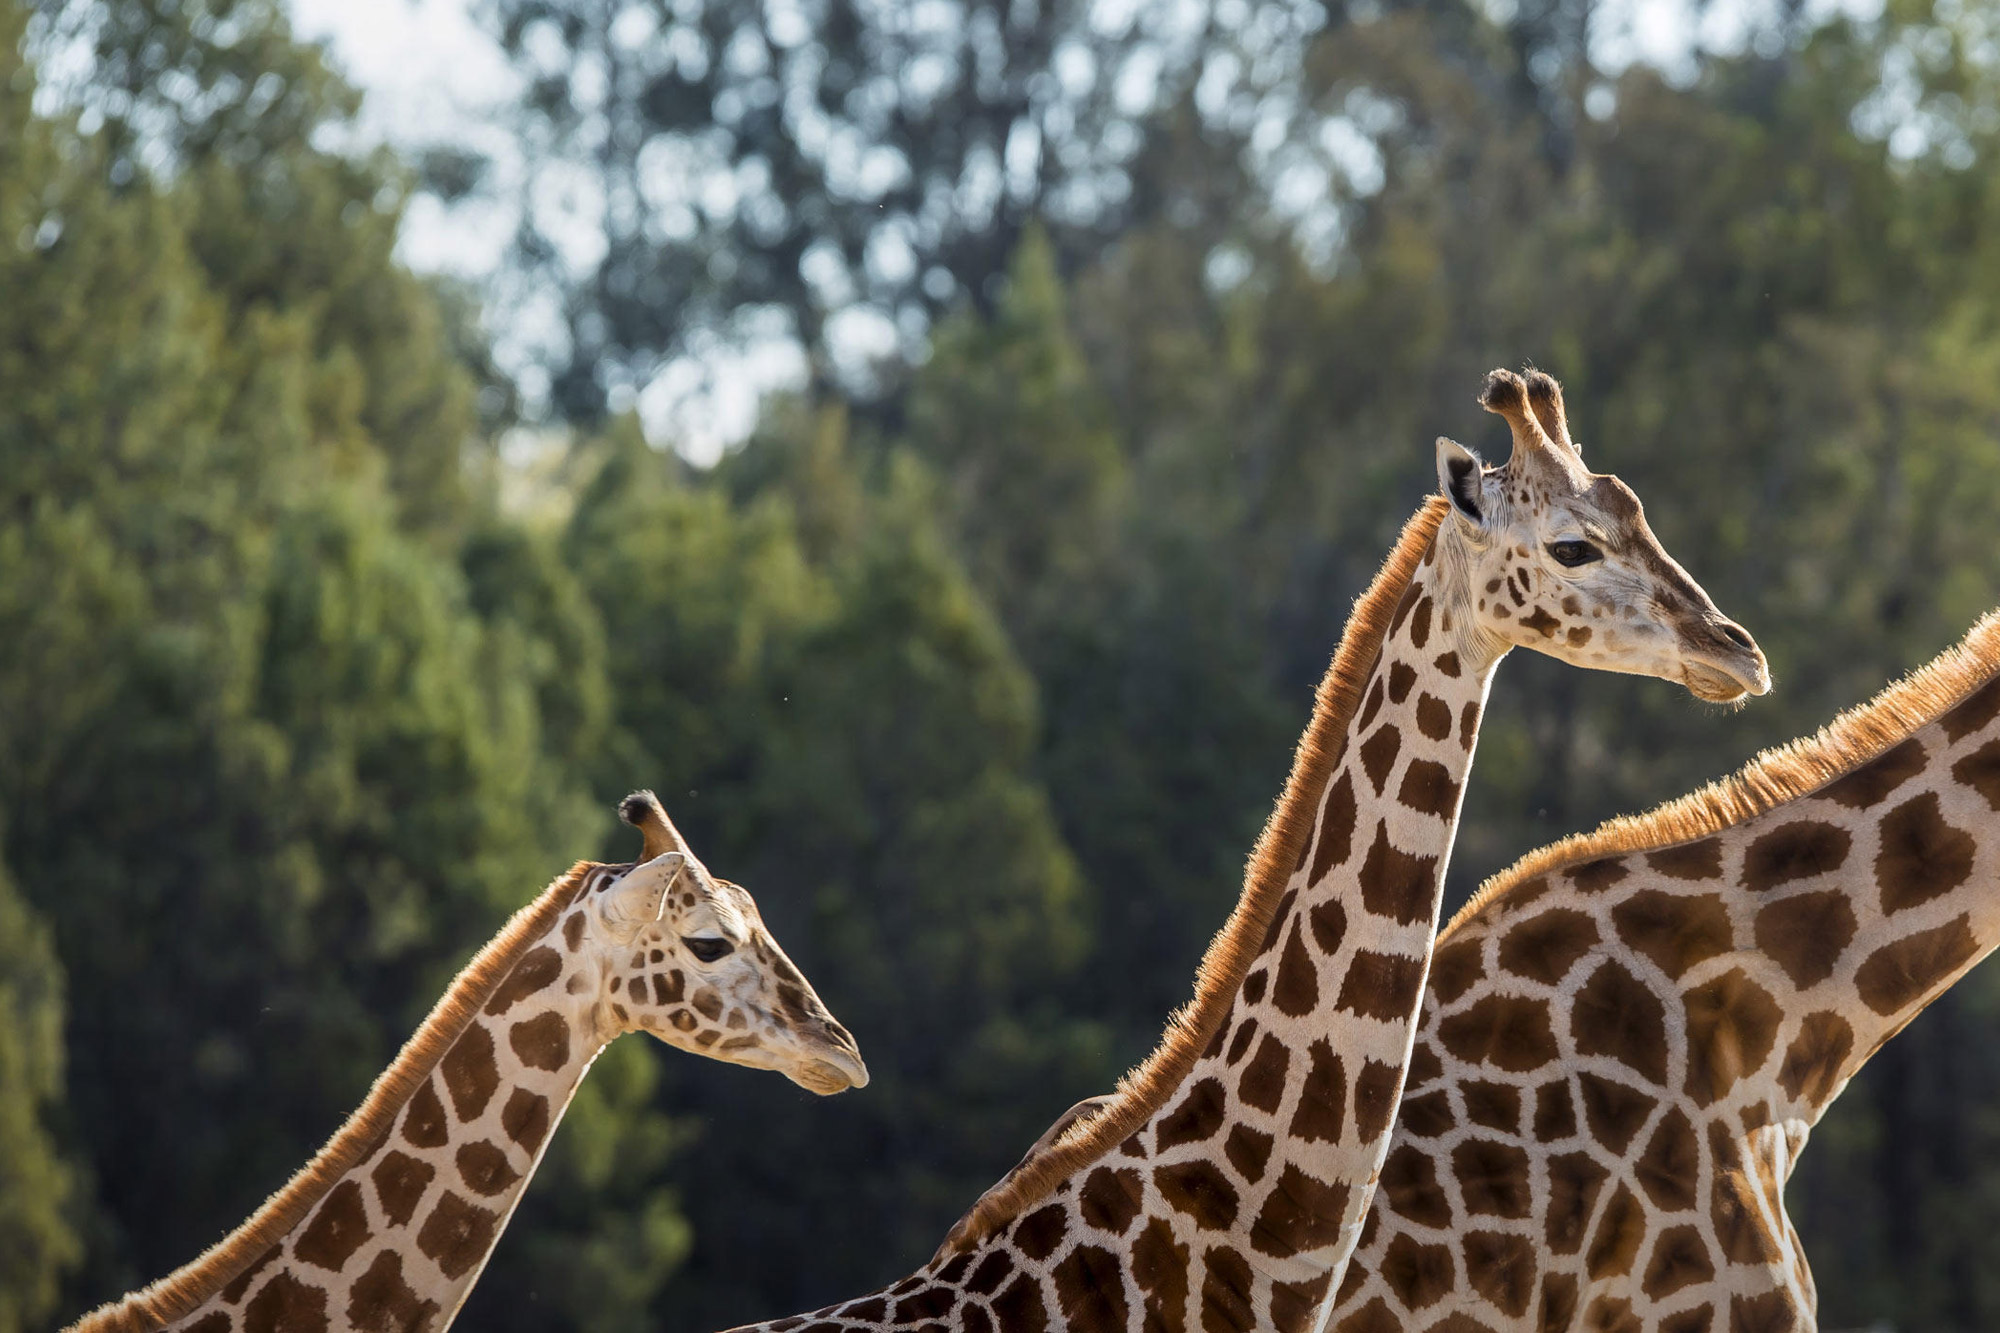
(639, 898)
(1459, 478)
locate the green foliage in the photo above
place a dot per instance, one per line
(37, 1233)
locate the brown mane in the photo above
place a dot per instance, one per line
(1146, 1088)
(182, 1292)
(1778, 775)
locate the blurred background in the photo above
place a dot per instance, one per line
(935, 444)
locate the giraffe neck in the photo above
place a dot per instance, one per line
(1625, 1045)
(1223, 1185)
(1275, 1138)
(394, 1236)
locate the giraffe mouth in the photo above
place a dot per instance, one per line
(827, 1077)
(1719, 686)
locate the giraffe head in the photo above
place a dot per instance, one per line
(1561, 560)
(686, 957)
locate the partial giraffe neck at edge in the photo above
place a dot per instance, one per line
(392, 1221)
(1628, 1037)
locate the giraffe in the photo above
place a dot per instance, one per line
(1223, 1184)
(388, 1227)
(1628, 1036)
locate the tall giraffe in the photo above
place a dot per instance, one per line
(386, 1230)
(1628, 1036)
(1223, 1185)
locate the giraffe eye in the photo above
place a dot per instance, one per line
(708, 948)
(1573, 553)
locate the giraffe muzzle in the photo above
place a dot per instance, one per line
(838, 1072)
(1720, 662)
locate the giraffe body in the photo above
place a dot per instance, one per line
(388, 1228)
(1225, 1183)
(1627, 1039)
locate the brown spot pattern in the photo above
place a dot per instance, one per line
(541, 1042)
(536, 972)
(1690, 860)
(1248, 1150)
(1816, 1056)
(1614, 1015)
(1434, 716)
(1669, 1167)
(1428, 789)
(1199, 1189)
(470, 1074)
(1197, 1117)
(1336, 828)
(1322, 1109)
(1731, 1024)
(1378, 754)
(1675, 932)
(1619, 1235)
(338, 1228)
(525, 1118)
(425, 1125)
(1679, 1259)
(1501, 1268)
(1806, 935)
(1898, 975)
(382, 1302)
(1416, 1274)
(1508, 1032)
(1296, 990)
(1980, 771)
(1545, 946)
(1492, 1177)
(1375, 1089)
(1410, 1187)
(1395, 884)
(1615, 1113)
(1978, 710)
(457, 1234)
(1870, 784)
(1381, 985)
(400, 1182)
(484, 1168)
(1302, 1214)
(1263, 1081)
(1574, 1180)
(1921, 857)
(1798, 850)
(1090, 1288)
(286, 1305)
(1454, 967)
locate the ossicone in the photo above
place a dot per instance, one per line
(1545, 400)
(1506, 394)
(643, 811)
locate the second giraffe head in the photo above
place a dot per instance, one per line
(1561, 560)
(685, 956)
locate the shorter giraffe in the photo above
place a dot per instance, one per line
(1627, 1038)
(389, 1226)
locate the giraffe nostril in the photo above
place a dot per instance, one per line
(1737, 635)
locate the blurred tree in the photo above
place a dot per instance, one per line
(832, 164)
(835, 719)
(38, 1237)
